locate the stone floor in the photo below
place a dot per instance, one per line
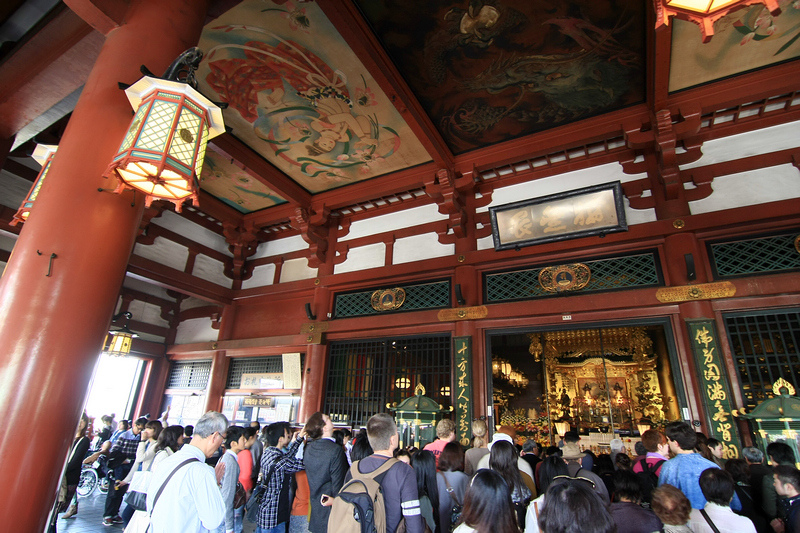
(90, 517)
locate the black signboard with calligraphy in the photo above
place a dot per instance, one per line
(463, 392)
(716, 395)
(258, 401)
(595, 210)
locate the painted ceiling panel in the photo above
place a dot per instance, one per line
(747, 39)
(227, 181)
(489, 71)
(300, 97)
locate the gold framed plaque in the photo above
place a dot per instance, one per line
(560, 278)
(388, 299)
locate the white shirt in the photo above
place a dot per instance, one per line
(191, 501)
(723, 517)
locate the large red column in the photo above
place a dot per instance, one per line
(54, 313)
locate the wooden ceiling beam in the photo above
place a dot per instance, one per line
(51, 65)
(172, 279)
(358, 34)
(20, 170)
(230, 147)
(218, 210)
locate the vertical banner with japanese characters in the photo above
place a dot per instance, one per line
(463, 392)
(716, 395)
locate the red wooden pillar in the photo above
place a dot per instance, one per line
(62, 280)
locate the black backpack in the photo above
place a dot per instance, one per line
(648, 479)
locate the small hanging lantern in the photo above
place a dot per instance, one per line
(705, 13)
(119, 341)
(162, 154)
(43, 154)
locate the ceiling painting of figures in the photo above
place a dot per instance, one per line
(300, 98)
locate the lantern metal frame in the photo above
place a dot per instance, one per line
(705, 13)
(118, 342)
(43, 154)
(163, 151)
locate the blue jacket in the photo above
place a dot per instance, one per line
(683, 471)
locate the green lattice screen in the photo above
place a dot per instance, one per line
(763, 255)
(631, 271)
(433, 295)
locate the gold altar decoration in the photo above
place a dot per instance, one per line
(600, 377)
(565, 277)
(704, 291)
(388, 299)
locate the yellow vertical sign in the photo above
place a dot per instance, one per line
(463, 389)
(714, 384)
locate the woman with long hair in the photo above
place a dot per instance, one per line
(424, 464)
(503, 460)
(574, 507)
(452, 483)
(552, 467)
(72, 474)
(170, 440)
(487, 506)
(144, 458)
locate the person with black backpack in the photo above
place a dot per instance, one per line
(649, 467)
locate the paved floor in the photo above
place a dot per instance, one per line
(90, 517)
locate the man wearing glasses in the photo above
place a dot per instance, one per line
(184, 491)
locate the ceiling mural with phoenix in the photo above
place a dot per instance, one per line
(489, 71)
(300, 98)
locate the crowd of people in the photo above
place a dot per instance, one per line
(675, 481)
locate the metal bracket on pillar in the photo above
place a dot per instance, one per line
(50, 266)
(133, 202)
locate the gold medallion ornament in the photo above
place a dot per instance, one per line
(797, 243)
(388, 299)
(565, 277)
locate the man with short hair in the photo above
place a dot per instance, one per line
(234, 443)
(717, 487)
(530, 453)
(279, 462)
(779, 453)
(399, 483)
(787, 484)
(683, 471)
(190, 501)
(758, 471)
(120, 460)
(446, 431)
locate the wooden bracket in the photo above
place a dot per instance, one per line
(313, 227)
(242, 243)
